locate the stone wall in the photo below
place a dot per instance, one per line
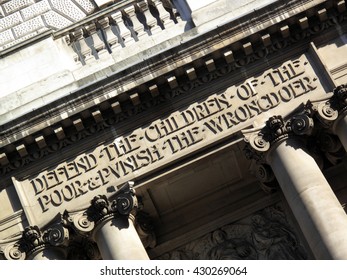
(265, 235)
(24, 19)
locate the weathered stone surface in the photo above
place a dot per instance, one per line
(165, 108)
(16, 5)
(265, 235)
(55, 20)
(69, 9)
(28, 27)
(35, 9)
(10, 21)
(22, 17)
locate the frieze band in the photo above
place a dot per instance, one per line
(146, 148)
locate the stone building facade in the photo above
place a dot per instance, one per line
(182, 129)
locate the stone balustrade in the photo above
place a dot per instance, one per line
(118, 26)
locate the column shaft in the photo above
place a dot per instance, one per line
(48, 254)
(314, 204)
(341, 130)
(117, 239)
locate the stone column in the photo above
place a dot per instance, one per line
(339, 102)
(117, 239)
(47, 254)
(312, 201)
(112, 226)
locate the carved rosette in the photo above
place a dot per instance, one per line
(145, 230)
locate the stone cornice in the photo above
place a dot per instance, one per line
(219, 53)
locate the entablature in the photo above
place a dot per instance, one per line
(194, 61)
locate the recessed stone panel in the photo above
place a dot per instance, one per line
(86, 5)
(10, 21)
(28, 27)
(68, 9)
(6, 36)
(35, 10)
(55, 20)
(16, 5)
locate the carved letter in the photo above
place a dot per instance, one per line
(38, 185)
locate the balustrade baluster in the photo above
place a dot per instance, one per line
(137, 25)
(70, 41)
(86, 51)
(151, 21)
(123, 30)
(164, 15)
(110, 37)
(99, 45)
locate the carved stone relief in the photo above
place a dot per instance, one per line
(69, 185)
(265, 235)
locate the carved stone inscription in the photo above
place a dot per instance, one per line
(72, 184)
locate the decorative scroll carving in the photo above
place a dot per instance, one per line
(266, 177)
(328, 111)
(82, 222)
(57, 235)
(124, 203)
(33, 239)
(264, 235)
(277, 130)
(14, 252)
(324, 112)
(315, 122)
(145, 229)
(302, 125)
